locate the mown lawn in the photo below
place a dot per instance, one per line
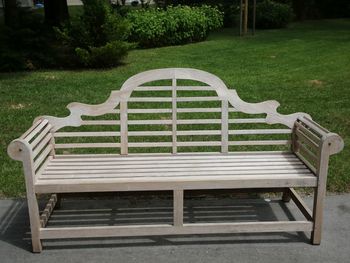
(305, 67)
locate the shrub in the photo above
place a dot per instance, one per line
(28, 45)
(98, 36)
(173, 26)
(270, 14)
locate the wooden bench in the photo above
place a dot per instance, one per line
(174, 129)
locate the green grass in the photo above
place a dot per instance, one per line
(305, 67)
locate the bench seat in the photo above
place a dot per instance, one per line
(86, 173)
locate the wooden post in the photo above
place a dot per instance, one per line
(21, 150)
(178, 207)
(124, 127)
(174, 116)
(320, 192)
(224, 126)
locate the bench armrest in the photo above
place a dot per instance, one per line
(313, 144)
(34, 147)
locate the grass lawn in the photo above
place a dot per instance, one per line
(305, 67)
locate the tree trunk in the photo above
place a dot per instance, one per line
(56, 11)
(10, 13)
(299, 9)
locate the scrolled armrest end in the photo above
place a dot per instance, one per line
(334, 142)
(17, 149)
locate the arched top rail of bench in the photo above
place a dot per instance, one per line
(267, 107)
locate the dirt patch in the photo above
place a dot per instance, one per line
(18, 106)
(316, 83)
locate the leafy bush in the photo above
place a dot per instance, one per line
(98, 36)
(28, 45)
(173, 26)
(270, 14)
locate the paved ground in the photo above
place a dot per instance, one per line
(278, 247)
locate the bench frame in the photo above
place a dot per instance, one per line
(305, 133)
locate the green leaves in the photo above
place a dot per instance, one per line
(173, 26)
(270, 14)
(97, 36)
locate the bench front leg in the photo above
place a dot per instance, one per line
(20, 150)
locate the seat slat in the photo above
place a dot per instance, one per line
(188, 171)
(169, 163)
(169, 157)
(87, 166)
(186, 168)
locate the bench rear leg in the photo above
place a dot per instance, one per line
(286, 195)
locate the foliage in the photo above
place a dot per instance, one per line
(27, 45)
(270, 14)
(173, 26)
(98, 36)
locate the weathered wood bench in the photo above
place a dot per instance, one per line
(187, 132)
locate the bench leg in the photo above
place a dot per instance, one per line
(34, 218)
(286, 195)
(318, 216)
(178, 196)
(59, 201)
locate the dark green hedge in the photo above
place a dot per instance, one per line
(173, 26)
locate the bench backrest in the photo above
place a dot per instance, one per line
(172, 110)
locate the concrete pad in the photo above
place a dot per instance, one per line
(15, 243)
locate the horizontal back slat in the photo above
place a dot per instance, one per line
(86, 145)
(169, 88)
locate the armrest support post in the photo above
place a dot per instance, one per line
(327, 143)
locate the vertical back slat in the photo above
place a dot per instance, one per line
(174, 115)
(123, 127)
(224, 126)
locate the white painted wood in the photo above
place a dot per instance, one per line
(86, 134)
(267, 107)
(42, 156)
(301, 204)
(47, 172)
(174, 116)
(260, 131)
(150, 99)
(42, 144)
(178, 196)
(192, 156)
(45, 215)
(266, 142)
(169, 88)
(105, 184)
(38, 139)
(20, 150)
(192, 99)
(224, 126)
(86, 145)
(149, 230)
(35, 131)
(124, 128)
